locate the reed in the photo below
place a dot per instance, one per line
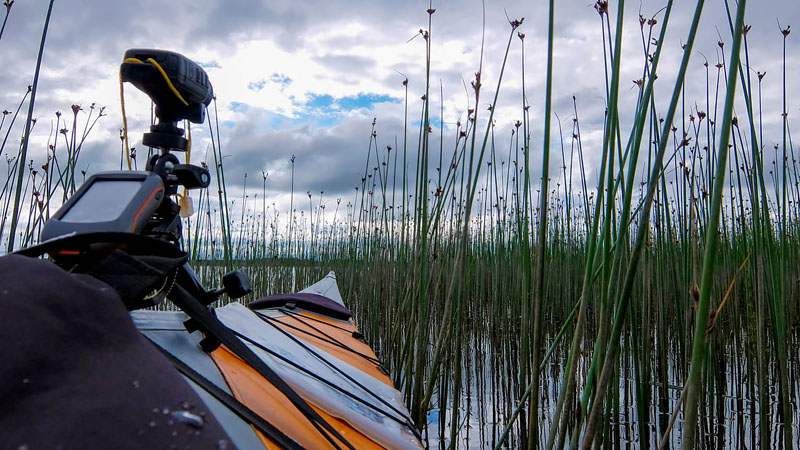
(8, 4)
(23, 152)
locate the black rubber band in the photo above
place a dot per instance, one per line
(210, 325)
(237, 407)
(406, 420)
(330, 340)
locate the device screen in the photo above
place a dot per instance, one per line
(104, 201)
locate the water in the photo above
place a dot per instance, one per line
(490, 353)
(728, 420)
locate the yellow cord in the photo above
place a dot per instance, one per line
(166, 78)
(122, 104)
(124, 119)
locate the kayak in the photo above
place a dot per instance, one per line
(309, 340)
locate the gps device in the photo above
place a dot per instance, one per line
(108, 201)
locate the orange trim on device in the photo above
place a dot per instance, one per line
(141, 208)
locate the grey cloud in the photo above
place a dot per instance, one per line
(346, 63)
(326, 159)
(86, 42)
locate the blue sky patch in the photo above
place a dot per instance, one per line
(327, 104)
(239, 107)
(256, 85)
(364, 101)
(319, 110)
(323, 102)
(435, 122)
(279, 78)
(208, 64)
(276, 78)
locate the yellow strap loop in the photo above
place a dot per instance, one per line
(166, 78)
(124, 119)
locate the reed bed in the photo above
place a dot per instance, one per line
(478, 285)
(654, 306)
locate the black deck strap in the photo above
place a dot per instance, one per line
(210, 325)
(356, 335)
(405, 421)
(331, 384)
(311, 302)
(89, 244)
(325, 337)
(240, 409)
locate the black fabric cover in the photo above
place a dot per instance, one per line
(75, 373)
(312, 302)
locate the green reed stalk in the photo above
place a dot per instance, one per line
(221, 193)
(577, 336)
(421, 216)
(226, 224)
(758, 224)
(699, 347)
(611, 276)
(623, 299)
(23, 152)
(604, 244)
(8, 4)
(13, 119)
(443, 336)
(539, 296)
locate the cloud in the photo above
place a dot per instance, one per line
(345, 63)
(328, 159)
(307, 77)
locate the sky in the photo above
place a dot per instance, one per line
(306, 78)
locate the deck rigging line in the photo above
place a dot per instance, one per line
(240, 409)
(211, 326)
(330, 339)
(406, 420)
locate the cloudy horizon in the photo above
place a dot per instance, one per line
(307, 78)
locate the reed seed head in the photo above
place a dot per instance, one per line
(601, 6)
